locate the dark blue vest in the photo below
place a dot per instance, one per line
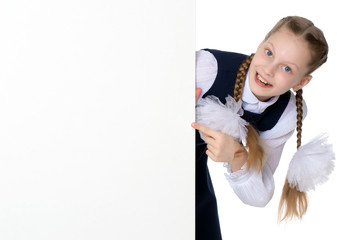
(207, 221)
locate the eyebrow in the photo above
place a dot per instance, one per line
(272, 46)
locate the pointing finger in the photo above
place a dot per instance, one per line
(205, 130)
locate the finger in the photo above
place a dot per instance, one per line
(197, 93)
(196, 126)
(210, 141)
(210, 155)
(205, 130)
(207, 136)
(211, 149)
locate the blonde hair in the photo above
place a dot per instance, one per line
(292, 203)
(256, 152)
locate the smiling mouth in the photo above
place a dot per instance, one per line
(262, 81)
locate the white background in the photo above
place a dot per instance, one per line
(96, 101)
(332, 99)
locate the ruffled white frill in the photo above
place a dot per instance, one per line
(311, 164)
(226, 118)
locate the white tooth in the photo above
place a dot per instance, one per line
(261, 80)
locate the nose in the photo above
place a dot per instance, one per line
(269, 69)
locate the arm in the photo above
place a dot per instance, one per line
(253, 188)
(257, 189)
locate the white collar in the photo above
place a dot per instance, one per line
(251, 103)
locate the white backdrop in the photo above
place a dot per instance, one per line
(96, 101)
(332, 107)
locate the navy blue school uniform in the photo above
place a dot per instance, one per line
(207, 220)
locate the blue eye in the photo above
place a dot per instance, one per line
(287, 69)
(268, 52)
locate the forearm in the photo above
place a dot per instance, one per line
(252, 188)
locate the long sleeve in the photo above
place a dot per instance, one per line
(253, 188)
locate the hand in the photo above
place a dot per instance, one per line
(223, 148)
(197, 93)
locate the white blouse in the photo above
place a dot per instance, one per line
(255, 189)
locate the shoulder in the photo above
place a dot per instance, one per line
(227, 59)
(205, 59)
(287, 121)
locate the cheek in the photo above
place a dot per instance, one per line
(258, 60)
(294, 83)
(286, 81)
(252, 68)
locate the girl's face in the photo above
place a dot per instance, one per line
(280, 63)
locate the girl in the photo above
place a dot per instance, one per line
(260, 84)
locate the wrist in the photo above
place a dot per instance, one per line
(239, 160)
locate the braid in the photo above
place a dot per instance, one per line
(256, 152)
(299, 109)
(293, 203)
(240, 77)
